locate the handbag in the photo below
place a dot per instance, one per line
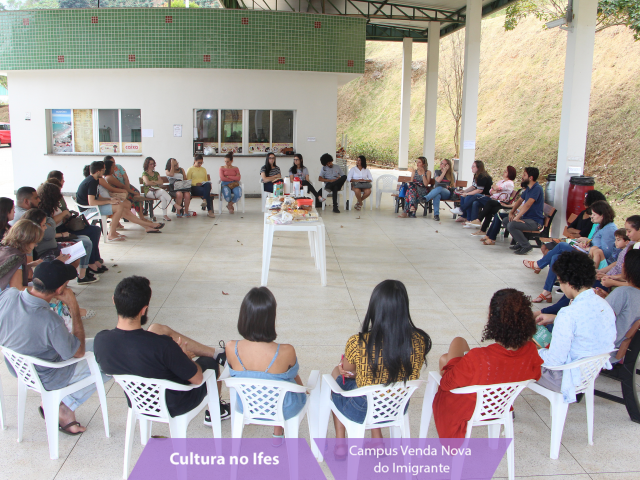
(182, 186)
(233, 185)
(76, 222)
(403, 190)
(362, 185)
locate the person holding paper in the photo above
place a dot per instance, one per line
(153, 186)
(200, 184)
(599, 246)
(15, 248)
(48, 247)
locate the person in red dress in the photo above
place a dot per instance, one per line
(513, 358)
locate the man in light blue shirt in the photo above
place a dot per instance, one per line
(585, 328)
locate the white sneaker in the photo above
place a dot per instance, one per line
(322, 199)
(456, 211)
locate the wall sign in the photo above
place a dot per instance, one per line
(177, 130)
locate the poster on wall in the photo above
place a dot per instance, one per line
(131, 147)
(109, 147)
(61, 128)
(83, 130)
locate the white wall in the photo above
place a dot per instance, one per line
(167, 97)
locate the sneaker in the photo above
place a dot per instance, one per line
(225, 413)
(436, 218)
(335, 210)
(88, 278)
(515, 246)
(456, 211)
(524, 250)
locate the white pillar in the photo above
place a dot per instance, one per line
(575, 103)
(470, 88)
(431, 95)
(405, 103)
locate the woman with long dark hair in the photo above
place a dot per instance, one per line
(444, 180)
(230, 182)
(360, 178)
(599, 245)
(513, 358)
(270, 172)
(119, 178)
(299, 170)
(7, 212)
(389, 349)
(487, 207)
(19, 242)
(480, 187)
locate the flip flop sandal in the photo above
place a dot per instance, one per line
(117, 239)
(160, 227)
(154, 231)
(66, 431)
(277, 441)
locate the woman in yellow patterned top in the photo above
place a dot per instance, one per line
(389, 349)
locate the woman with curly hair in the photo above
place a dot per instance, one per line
(513, 358)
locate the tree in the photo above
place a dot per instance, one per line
(610, 13)
(3, 81)
(451, 74)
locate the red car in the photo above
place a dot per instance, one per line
(5, 133)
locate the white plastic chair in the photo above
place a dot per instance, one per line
(364, 204)
(493, 408)
(385, 408)
(385, 184)
(590, 368)
(91, 211)
(220, 197)
(329, 194)
(148, 404)
(28, 378)
(262, 402)
(3, 420)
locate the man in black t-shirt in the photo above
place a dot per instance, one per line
(158, 352)
(87, 194)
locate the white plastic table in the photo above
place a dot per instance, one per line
(316, 234)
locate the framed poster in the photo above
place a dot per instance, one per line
(62, 130)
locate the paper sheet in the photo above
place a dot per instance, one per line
(76, 251)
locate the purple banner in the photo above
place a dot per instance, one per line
(236, 459)
(413, 458)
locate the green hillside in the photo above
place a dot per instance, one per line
(519, 105)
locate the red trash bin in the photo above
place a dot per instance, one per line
(578, 188)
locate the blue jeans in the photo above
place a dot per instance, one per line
(204, 191)
(226, 192)
(479, 203)
(93, 232)
(494, 229)
(88, 247)
(437, 194)
(466, 204)
(549, 259)
(555, 308)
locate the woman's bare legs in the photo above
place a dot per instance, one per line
(146, 224)
(178, 203)
(187, 201)
(457, 348)
(365, 193)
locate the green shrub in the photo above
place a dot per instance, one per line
(374, 152)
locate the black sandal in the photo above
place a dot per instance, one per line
(66, 431)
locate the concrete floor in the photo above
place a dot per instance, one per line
(450, 277)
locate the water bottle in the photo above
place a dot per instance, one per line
(296, 186)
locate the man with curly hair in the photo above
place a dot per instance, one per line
(585, 328)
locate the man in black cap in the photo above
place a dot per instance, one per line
(29, 327)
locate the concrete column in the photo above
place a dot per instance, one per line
(405, 103)
(431, 95)
(470, 87)
(575, 103)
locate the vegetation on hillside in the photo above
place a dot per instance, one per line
(520, 102)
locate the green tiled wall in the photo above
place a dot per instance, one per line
(180, 38)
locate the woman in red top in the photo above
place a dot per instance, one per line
(513, 358)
